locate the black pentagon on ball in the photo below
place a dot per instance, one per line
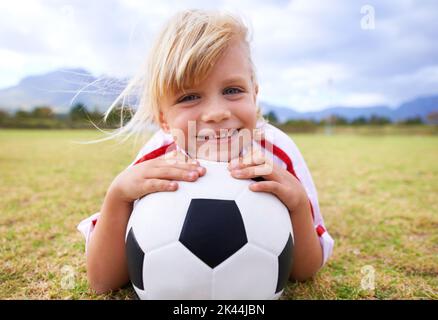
(213, 230)
(284, 264)
(135, 257)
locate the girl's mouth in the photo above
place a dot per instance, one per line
(224, 135)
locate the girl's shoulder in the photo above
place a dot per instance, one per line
(156, 141)
(279, 140)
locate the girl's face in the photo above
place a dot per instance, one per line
(207, 120)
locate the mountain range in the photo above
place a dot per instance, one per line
(62, 88)
(417, 107)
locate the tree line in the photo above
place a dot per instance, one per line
(79, 116)
(361, 120)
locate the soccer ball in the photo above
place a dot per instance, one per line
(210, 239)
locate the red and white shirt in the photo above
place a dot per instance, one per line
(276, 144)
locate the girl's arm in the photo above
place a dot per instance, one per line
(107, 267)
(106, 258)
(307, 254)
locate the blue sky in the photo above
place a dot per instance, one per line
(308, 54)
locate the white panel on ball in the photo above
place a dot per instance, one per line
(157, 221)
(216, 182)
(173, 272)
(267, 225)
(257, 278)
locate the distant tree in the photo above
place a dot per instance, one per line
(298, 122)
(78, 112)
(299, 125)
(378, 120)
(433, 117)
(413, 121)
(334, 120)
(3, 115)
(359, 121)
(117, 114)
(271, 117)
(42, 112)
(21, 114)
(95, 115)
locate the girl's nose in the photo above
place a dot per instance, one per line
(215, 115)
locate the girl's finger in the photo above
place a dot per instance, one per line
(158, 185)
(172, 173)
(265, 186)
(179, 165)
(177, 156)
(258, 157)
(259, 134)
(191, 166)
(288, 196)
(255, 157)
(235, 163)
(174, 162)
(264, 170)
(273, 187)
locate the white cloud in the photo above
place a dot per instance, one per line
(361, 99)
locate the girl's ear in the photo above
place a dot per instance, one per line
(163, 123)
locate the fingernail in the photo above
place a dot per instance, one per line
(191, 174)
(233, 164)
(200, 170)
(237, 173)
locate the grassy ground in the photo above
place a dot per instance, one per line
(377, 193)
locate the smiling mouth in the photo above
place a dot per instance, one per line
(222, 135)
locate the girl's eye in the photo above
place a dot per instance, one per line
(232, 91)
(190, 97)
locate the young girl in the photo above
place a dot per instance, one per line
(201, 90)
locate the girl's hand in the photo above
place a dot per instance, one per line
(307, 253)
(277, 180)
(155, 175)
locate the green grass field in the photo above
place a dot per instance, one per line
(378, 195)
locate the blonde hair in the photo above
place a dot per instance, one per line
(182, 56)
